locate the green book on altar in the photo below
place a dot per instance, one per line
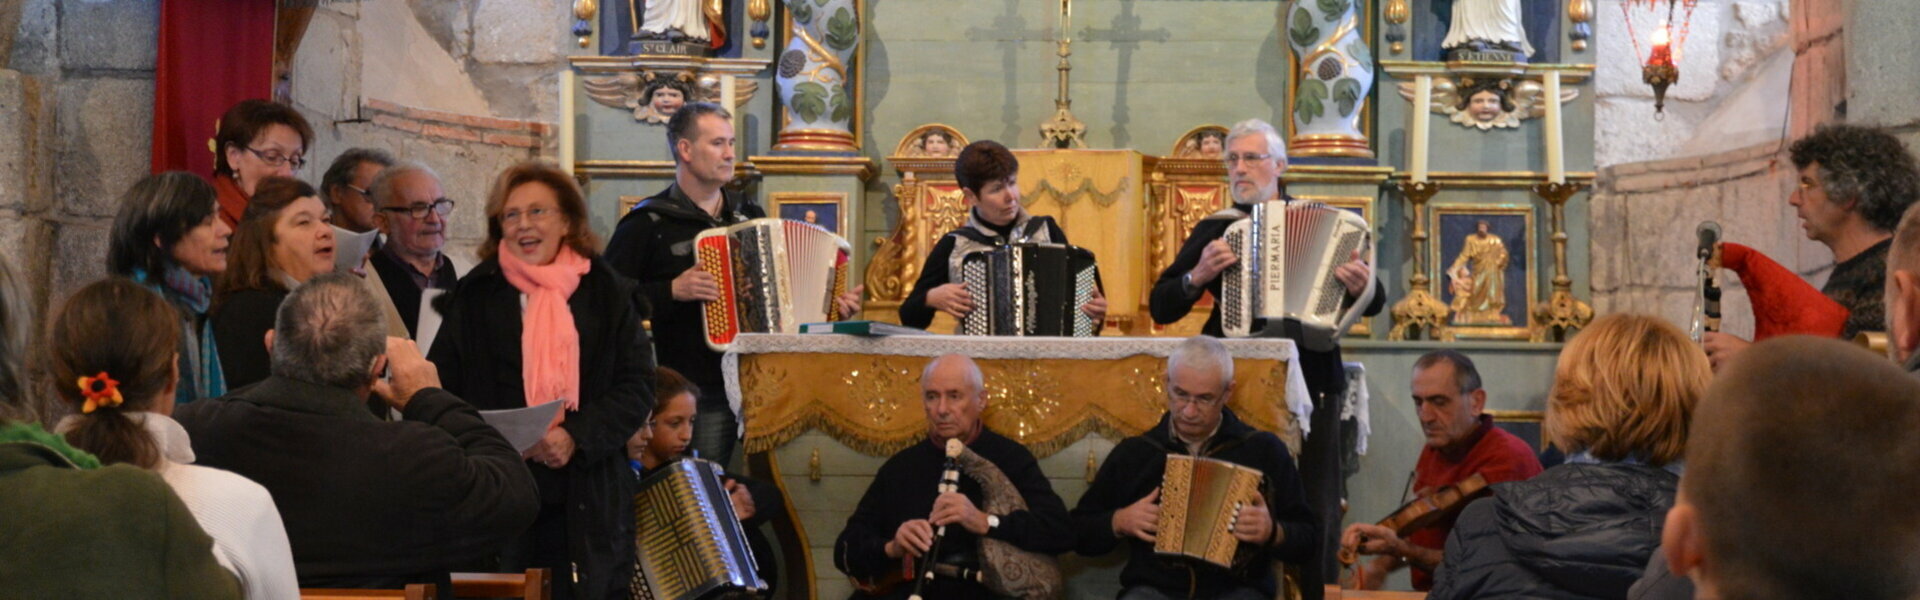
(868, 328)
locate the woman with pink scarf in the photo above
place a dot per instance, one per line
(544, 319)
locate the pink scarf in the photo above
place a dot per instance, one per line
(549, 344)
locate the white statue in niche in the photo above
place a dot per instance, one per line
(682, 20)
(1487, 26)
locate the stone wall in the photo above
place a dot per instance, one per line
(76, 97)
(466, 87)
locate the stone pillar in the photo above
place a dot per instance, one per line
(1881, 76)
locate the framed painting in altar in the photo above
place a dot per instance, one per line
(1529, 426)
(1363, 206)
(827, 210)
(1482, 262)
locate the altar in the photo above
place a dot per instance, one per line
(822, 413)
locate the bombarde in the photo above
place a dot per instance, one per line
(1706, 291)
(949, 482)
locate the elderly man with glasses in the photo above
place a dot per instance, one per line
(412, 212)
(1123, 503)
(1256, 156)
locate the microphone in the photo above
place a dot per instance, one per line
(1709, 234)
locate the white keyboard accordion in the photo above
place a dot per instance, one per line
(1029, 289)
(774, 275)
(1284, 285)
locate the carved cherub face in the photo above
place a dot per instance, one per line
(668, 100)
(1485, 106)
(1211, 144)
(936, 143)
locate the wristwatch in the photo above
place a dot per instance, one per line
(1186, 284)
(993, 522)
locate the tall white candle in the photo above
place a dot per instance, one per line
(1556, 151)
(567, 132)
(727, 87)
(1417, 136)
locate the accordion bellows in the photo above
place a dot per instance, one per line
(688, 542)
(1199, 499)
(774, 275)
(1288, 252)
(1029, 289)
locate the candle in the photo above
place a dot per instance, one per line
(1662, 47)
(1417, 136)
(727, 84)
(566, 119)
(1556, 152)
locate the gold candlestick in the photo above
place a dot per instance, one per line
(1063, 130)
(1563, 314)
(1420, 313)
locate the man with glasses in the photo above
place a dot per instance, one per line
(346, 184)
(412, 213)
(1122, 504)
(1256, 156)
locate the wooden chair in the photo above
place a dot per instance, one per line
(415, 591)
(535, 584)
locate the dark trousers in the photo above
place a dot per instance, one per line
(1320, 474)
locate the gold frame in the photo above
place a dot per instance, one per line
(776, 200)
(1435, 269)
(1364, 326)
(1537, 417)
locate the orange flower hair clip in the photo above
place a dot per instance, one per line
(101, 392)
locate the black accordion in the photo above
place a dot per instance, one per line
(688, 542)
(1030, 289)
(1284, 285)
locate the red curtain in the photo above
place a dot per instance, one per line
(212, 54)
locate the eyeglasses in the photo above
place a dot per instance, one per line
(1234, 157)
(1202, 400)
(442, 207)
(357, 190)
(276, 159)
(532, 215)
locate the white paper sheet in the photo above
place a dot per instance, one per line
(523, 427)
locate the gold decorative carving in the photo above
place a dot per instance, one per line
(1092, 465)
(1063, 130)
(631, 91)
(813, 466)
(869, 401)
(1420, 312)
(1527, 97)
(759, 11)
(1563, 314)
(584, 10)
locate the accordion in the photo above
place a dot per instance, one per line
(774, 274)
(1199, 499)
(1283, 284)
(1029, 289)
(688, 543)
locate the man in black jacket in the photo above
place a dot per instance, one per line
(988, 175)
(1122, 504)
(367, 503)
(1256, 156)
(653, 244)
(895, 521)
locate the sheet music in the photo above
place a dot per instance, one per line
(427, 326)
(350, 249)
(523, 427)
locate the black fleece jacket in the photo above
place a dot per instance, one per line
(653, 244)
(1136, 467)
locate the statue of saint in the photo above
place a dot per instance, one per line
(1487, 26)
(684, 21)
(1478, 280)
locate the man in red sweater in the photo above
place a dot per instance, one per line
(1461, 441)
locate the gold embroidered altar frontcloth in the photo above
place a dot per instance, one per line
(1045, 393)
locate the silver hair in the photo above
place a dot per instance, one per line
(974, 378)
(1203, 350)
(382, 187)
(1276, 146)
(328, 332)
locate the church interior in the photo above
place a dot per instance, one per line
(1522, 169)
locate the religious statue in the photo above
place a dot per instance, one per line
(1487, 30)
(683, 21)
(1478, 280)
(1488, 103)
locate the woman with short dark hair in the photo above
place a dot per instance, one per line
(284, 241)
(168, 237)
(257, 139)
(544, 319)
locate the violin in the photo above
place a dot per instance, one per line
(1426, 510)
